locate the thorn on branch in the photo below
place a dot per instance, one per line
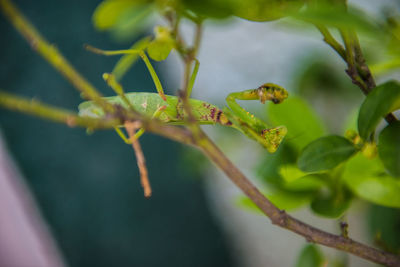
(281, 219)
(309, 239)
(71, 121)
(344, 228)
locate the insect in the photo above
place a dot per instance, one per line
(169, 109)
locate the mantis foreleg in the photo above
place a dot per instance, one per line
(126, 61)
(253, 127)
(117, 87)
(112, 82)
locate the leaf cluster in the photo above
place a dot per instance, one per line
(312, 166)
(327, 171)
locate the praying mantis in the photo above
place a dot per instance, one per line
(169, 109)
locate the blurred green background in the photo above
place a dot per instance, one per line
(88, 187)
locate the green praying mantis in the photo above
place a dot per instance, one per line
(170, 110)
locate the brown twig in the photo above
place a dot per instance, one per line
(330, 40)
(131, 128)
(344, 229)
(282, 219)
(357, 69)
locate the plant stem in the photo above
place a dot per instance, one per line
(51, 54)
(282, 219)
(34, 107)
(357, 69)
(188, 56)
(330, 40)
(182, 135)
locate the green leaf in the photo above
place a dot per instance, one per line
(385, 66)
(332, 205)
(382, 100)
(368, 180)
(133, 21)
(254, 10)
(310, 256)
(296, 180)
(311, 182)
(248, 204)
(389, 148)
(291, 173)
(325, 153)
(160, 49)
(336, 16)
(123, 18)
(268, 169)
(300, 119)
(162, 45)
(384, 224)
(107, 13)
(261, 10)
(217, 9)
(283, 200)
(289, 200)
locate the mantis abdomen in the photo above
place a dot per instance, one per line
(148, 103)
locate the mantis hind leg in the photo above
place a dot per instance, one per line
(252, 126)
(193, 77)
(145, 59)
(113, 83)
(126, 61)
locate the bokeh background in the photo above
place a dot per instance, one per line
(87, 186)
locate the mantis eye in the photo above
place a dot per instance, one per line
(276, 100)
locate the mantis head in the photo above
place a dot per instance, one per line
(273, 92)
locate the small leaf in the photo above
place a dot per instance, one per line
(331, 15)
(325, 153)
(123, 18)
(383, 225)
(159, 49)
(300, 119)
(283, 200)
(248, 204)
(268, 169)
(332, 206)
(385, 66)
(133, 21)
(389, 148)
(296, 180)
(108, 12)
(382, 100)
(291, 173)
(310, 256)
(311, 182)
(289, 200)
(217, 9)
(367, 179)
